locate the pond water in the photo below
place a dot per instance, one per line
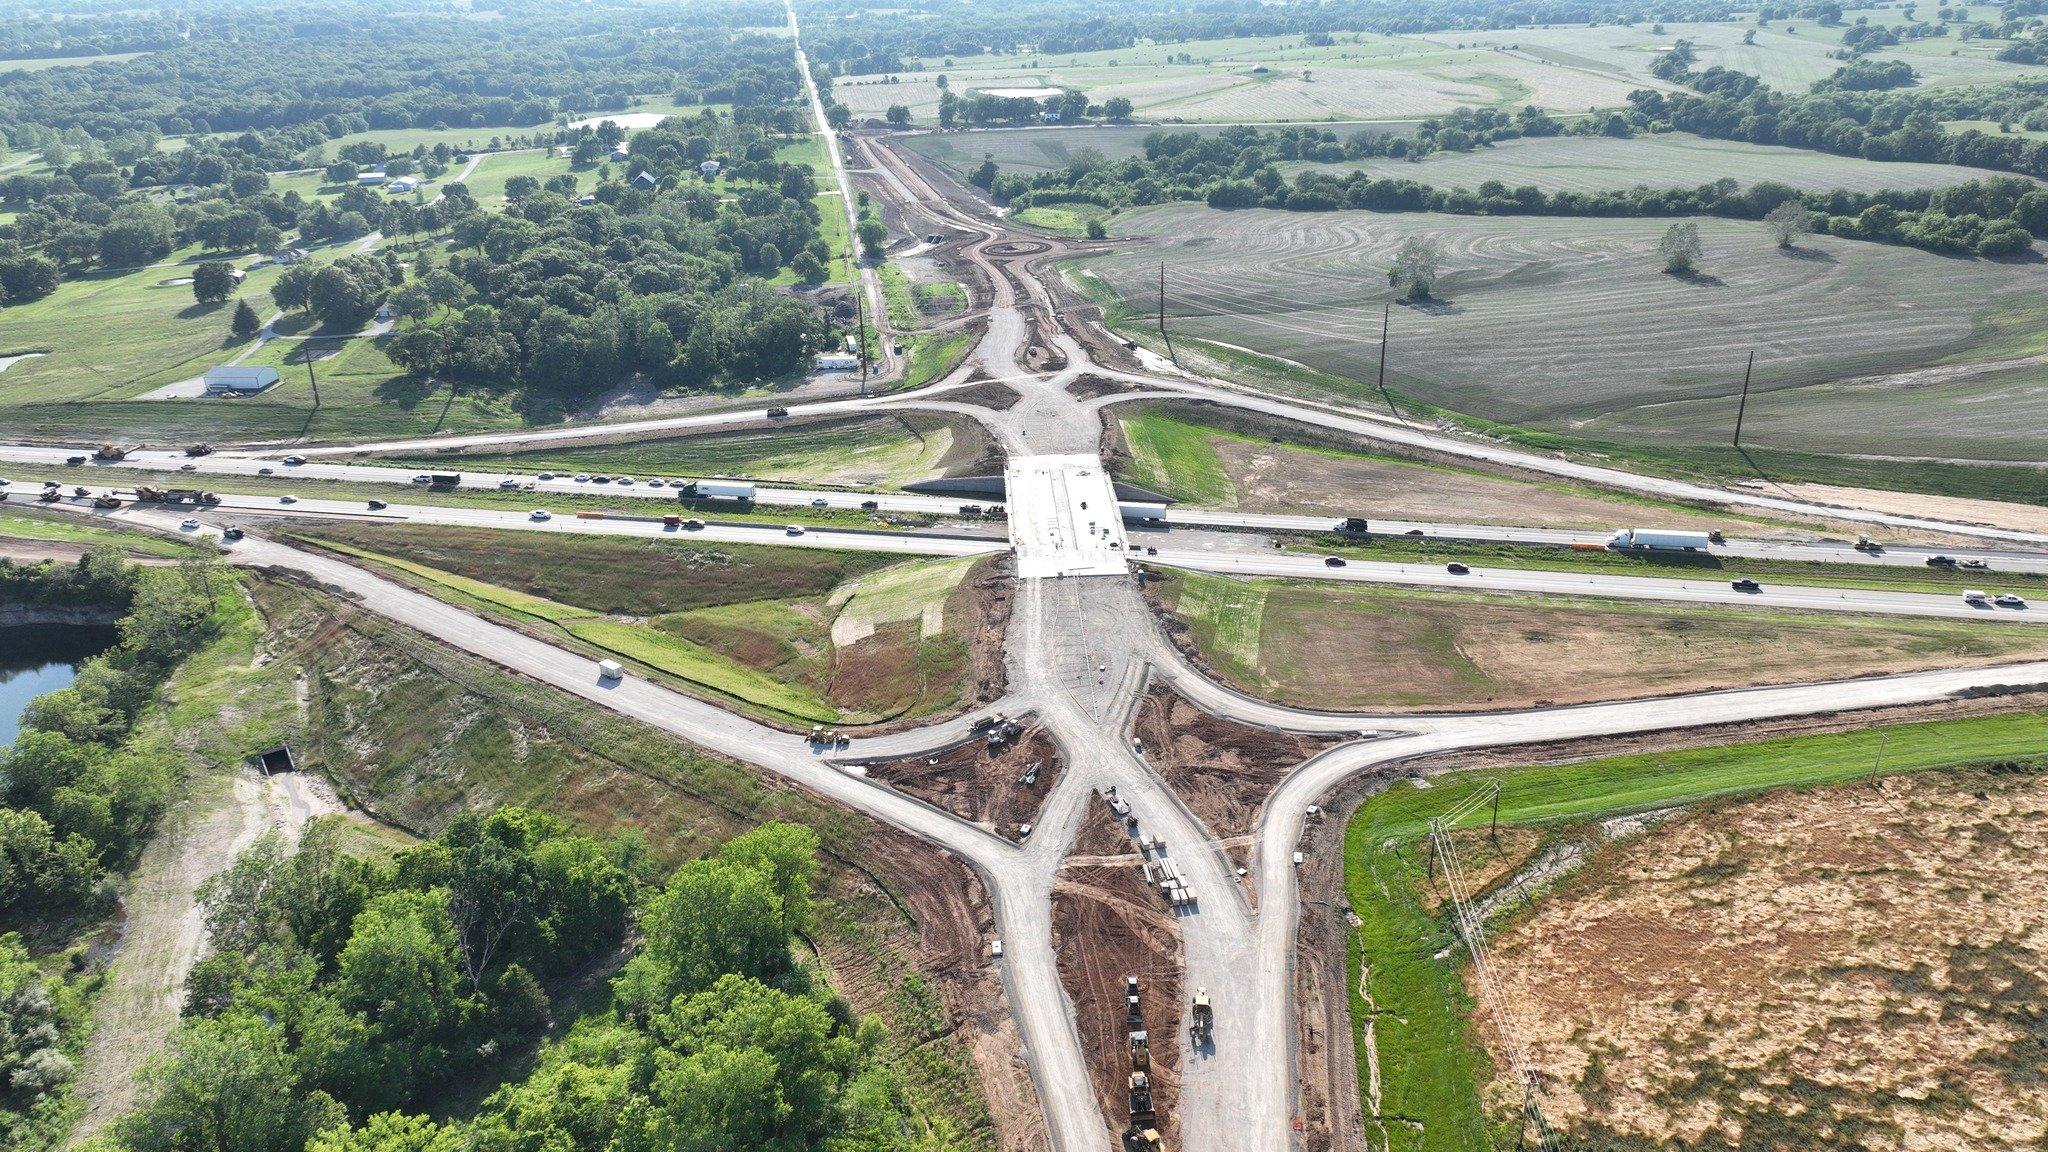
(39, 658)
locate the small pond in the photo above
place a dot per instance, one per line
(39, 658)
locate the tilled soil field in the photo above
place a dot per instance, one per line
(1108, 925)
(1857, 966)
(981, 782)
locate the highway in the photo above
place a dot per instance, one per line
(1718, 593)
(1081, 648)
(238, 510)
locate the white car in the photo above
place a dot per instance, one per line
(287, 498)
(508, 482)
(795, 529)
(625, 479)
(422, 478)
(657, 482)
(188, 467)
(2008, 600)
(583, 477)
(190, 524)
(542, 514)
(4, 481)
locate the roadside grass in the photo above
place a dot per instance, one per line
(27, 524)
(1371, 647)
(660, 651)
(933, 356)
(1177, 458)
(1674, 565)
(814, 638)
(1409, 961)
(878, 451)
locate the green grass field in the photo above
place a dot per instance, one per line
(487, 183)
(1361, 76)
(1407, 960)
(1590, 164)
(1367, 648)
(28, 524)
(1062, 219)
(768, 629)
(881, 451)
(1176, 458)
(1540, 322)
(41, 63)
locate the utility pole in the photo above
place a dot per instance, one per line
(1879, 761)
(861, 308)
(1162, 315)
(1743, 405)
(1386, 319)
(306, 350)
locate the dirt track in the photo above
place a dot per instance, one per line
(1108, 925)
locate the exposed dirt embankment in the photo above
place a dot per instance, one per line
(1108, 925)
(983, 782)
(33, 615)
(1222, 769)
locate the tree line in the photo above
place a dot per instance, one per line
(848, 37)
(80, 792)
(343, 995)
(402, 65)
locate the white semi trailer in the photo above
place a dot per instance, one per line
(1142, 512)
(1658, 540)
(723, 490)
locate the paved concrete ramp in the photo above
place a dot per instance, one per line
(1063, 517)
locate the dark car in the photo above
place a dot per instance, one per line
(1745, 585)
(1941, 561)
(1333, 561)
(231, 533)
(74, 461)
(378, 505)
(870, 505)
(1456, 569)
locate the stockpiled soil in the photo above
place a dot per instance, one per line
(1572, 325)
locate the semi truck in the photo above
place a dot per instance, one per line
(1142, 512)
(739, 490)
(1658, 540)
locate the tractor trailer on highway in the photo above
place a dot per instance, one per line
(1142, 512)
(721, 490)
(1658, 540)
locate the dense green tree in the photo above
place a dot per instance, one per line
(213, 281)
(347, 293)
(140, 232)
(392, 1132)
(293, 289)
(245, 325)
(1679, 248)
(226, 1085)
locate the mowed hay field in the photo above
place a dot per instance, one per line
(1670, 160)
(1572, 325)
(1360, 77)
(1357, 648)
(1853, 966)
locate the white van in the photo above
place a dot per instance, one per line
(1974, 596)
(610, 670)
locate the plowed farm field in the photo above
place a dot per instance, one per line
(1571, 325)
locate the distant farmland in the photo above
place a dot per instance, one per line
(1571, 325)
(1669, 160)
(1274, 78)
